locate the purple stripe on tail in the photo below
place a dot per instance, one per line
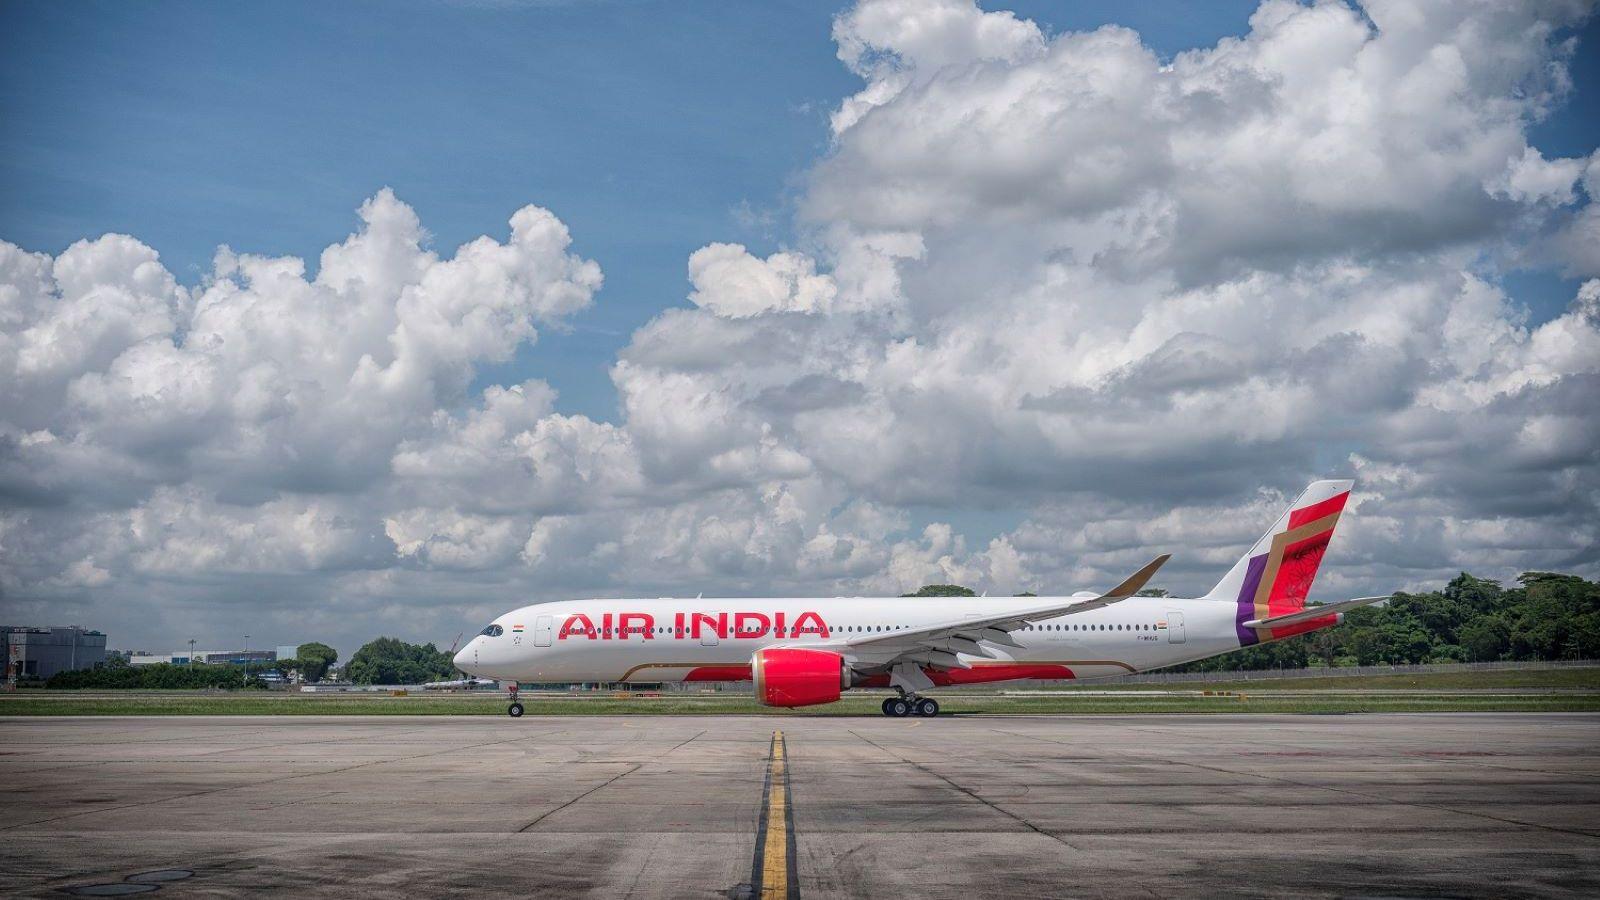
(1247, 600)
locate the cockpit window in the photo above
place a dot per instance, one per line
(494, 631)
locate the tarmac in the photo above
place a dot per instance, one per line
(1469, 805)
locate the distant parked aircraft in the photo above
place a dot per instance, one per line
(806, 651)
(460, 684)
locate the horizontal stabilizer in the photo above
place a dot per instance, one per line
(1311, 613)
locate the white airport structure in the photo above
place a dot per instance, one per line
(213, 657)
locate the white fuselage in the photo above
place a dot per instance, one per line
(668, 640)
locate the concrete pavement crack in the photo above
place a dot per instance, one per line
(973, 794)
(631, 769)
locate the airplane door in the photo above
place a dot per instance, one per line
(708, 630)
(542, 627)
(1174, 627)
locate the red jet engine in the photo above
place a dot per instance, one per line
(798, 677)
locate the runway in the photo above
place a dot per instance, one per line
(1474, 805)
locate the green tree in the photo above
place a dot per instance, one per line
(1325, 644)
(314, 659)
(1485, 639)
(943, 590)
(1481, 594)
(1547, 616)
(162, 676)
(393, 661)
(1152, 592)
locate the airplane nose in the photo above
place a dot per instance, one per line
(466, 658)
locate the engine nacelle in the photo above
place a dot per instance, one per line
(793, 676)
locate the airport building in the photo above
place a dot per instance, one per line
(42, 652)
(145, 658)
(210, 657)
(237, 657)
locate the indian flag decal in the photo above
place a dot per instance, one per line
(516, 628)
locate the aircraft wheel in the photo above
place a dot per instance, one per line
(885, 707)
(515, 711)
(927, 707)
(897, 708)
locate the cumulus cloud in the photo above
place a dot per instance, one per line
(1130, 303)
(730, 282)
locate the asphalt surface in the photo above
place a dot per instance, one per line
(1475, 805)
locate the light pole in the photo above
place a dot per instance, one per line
(191, 653)
(247, 654)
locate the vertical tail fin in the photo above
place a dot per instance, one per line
(1274, 578)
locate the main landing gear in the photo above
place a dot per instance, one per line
(911, 705)
(515, 709)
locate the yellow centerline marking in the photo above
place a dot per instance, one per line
(775, 853)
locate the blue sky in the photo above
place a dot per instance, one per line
(645, 126)
(650, 128)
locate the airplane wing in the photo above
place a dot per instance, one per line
(1313, 612)
(937, 645)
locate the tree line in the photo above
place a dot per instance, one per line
(1545, 616)
(117, 674)
(382, 661)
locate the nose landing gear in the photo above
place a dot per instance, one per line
(515, 709)
(910, 704)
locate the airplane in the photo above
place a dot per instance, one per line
(807, 651)
(460, 684)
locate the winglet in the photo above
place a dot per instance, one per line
(1137, 580)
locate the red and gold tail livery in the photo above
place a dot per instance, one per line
(1271, 582)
